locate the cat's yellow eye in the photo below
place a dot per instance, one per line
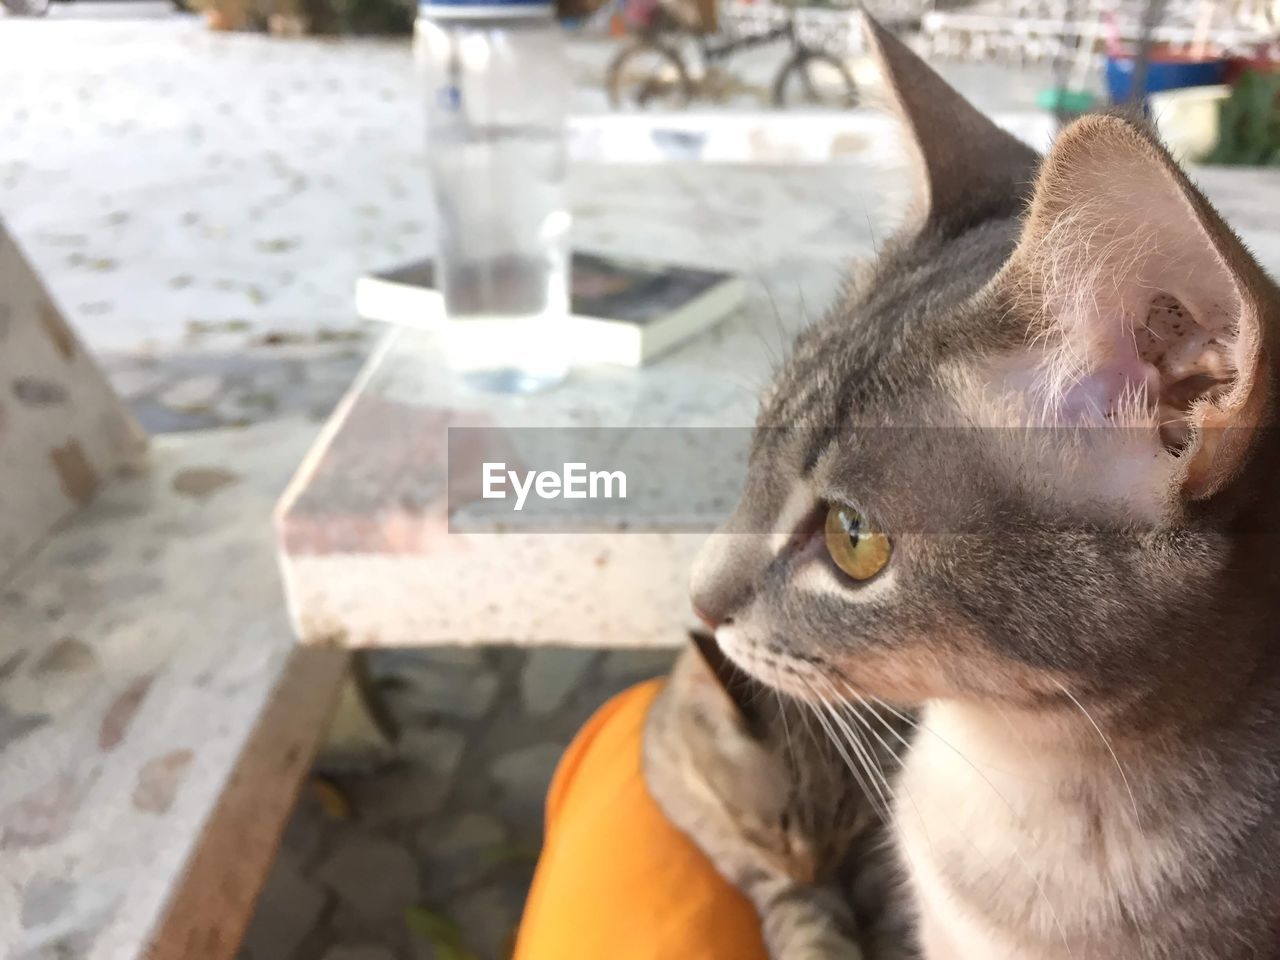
(858, 550)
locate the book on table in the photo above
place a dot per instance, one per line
(624, 311)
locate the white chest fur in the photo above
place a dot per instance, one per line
(1017, 851)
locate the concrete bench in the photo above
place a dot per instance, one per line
(155, 719)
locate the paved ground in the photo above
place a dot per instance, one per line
(452, 828)
(201, 205)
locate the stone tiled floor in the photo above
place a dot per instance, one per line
(452, 826)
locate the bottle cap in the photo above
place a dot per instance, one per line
(484, 9)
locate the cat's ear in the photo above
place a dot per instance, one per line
(1143, 305)
(968, 169)
(741, 693)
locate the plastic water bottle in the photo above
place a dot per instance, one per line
(497, 89)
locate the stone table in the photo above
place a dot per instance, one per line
(372, 555)
(366, 552)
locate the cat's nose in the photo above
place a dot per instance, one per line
(710, 620)
(723, 574)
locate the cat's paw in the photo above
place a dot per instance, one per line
(809, 923)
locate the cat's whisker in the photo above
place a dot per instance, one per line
(817, 705)
(841, 706)
(883, 791)
(906, 744)
(1111, 750)
(884, 788)
(786, 727)
(809, 718)
(844, 754)
(900, 756)
(905, 718)
(736, 379)
(880, 795)
(917, 724)
(925, 728)
(784, 339)
(851, 690)
(863, 702)
(804, 307)
(845, 737)
(830, 701)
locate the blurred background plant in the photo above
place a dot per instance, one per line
(1249, 122)
(369, 16)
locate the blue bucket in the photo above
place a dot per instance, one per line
(1163, 75)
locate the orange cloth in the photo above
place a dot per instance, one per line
(616, 881)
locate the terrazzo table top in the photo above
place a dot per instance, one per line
(372, 554)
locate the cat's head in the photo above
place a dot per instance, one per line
(1028, 449)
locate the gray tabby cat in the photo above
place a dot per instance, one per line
(1025, 475)
(739, 769)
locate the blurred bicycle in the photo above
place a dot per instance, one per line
(649, 72)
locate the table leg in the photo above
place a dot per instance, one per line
(362, 735)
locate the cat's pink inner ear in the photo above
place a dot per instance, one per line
(1137, 298)
(1156, 361)
(1105, 393)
